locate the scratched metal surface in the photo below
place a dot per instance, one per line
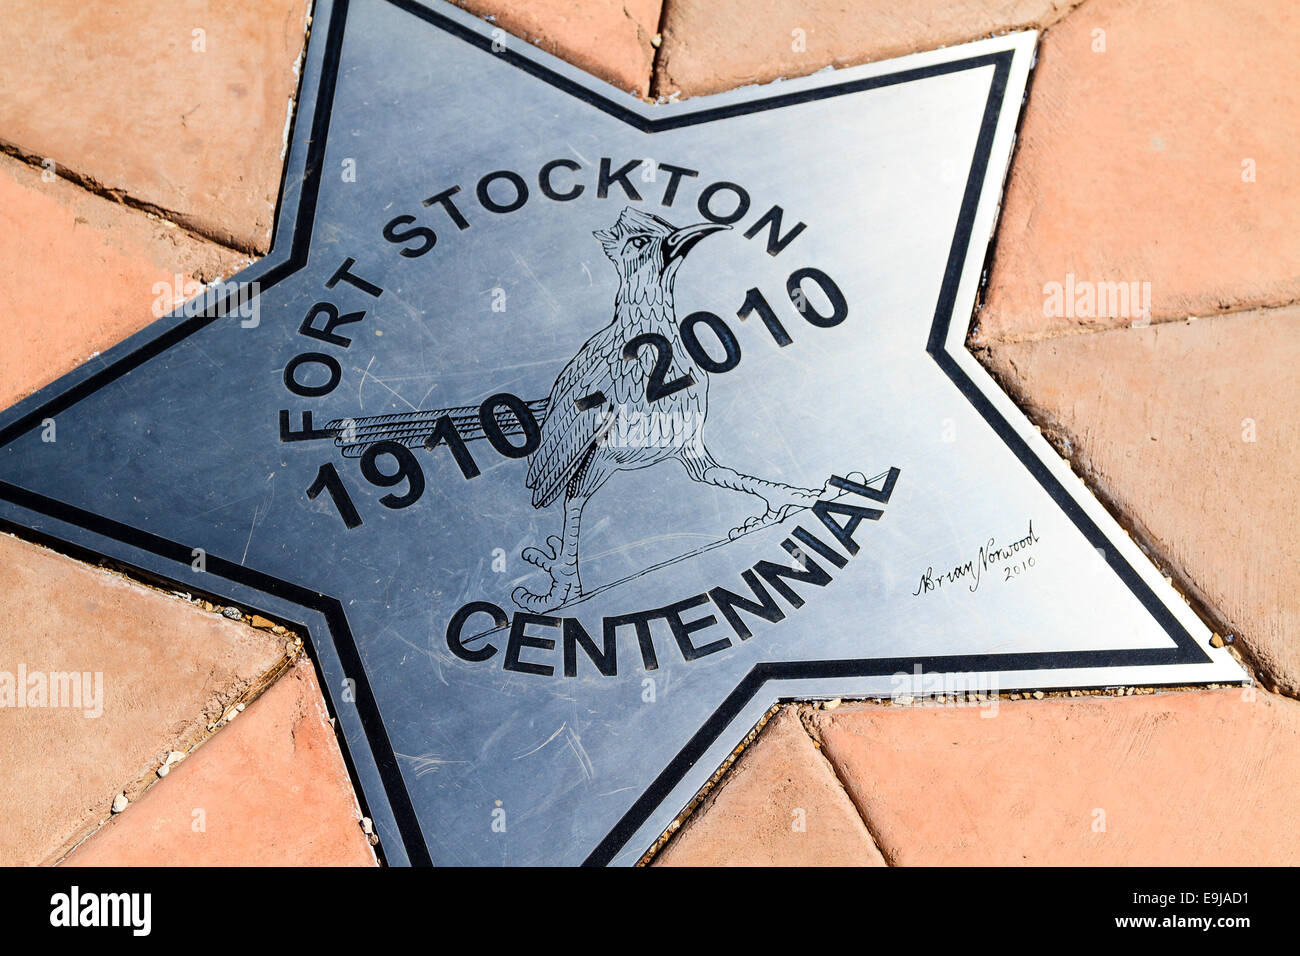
(897, 181)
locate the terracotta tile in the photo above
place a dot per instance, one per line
(166, 669)
(81, 275)
(780, 805)
(270, 789)
(1192, 431)
(608, 38)
(1202, 778)
(119, 92)
(715, 45)
(1130, 165)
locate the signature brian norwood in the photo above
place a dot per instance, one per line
(971, 571)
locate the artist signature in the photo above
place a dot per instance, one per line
(1011, 559)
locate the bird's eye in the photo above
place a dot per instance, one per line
(638, 242)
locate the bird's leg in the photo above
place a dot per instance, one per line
(559, 560)
(781, 499)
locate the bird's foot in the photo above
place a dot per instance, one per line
(563, 573)
(790, 500)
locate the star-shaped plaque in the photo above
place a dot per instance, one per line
(577, 432)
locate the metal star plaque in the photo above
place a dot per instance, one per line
(577, 431)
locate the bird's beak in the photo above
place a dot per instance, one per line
(681, 241)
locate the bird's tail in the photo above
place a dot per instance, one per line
(355, 435)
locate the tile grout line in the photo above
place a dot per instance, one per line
(806, 707)
(715, 782)
(973, 341)
(122, 198)
(1068, 446)
(170, 218)
(656, 67)
(174, 218)
(975, 344)
(145, 784)
(1058, 436)
(802, 712)
(1041, 24)
(290, 655)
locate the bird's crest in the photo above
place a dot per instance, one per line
(631, 222)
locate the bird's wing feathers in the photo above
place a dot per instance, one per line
(569, 431)
(355, 435)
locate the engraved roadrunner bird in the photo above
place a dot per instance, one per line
(619, 370)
